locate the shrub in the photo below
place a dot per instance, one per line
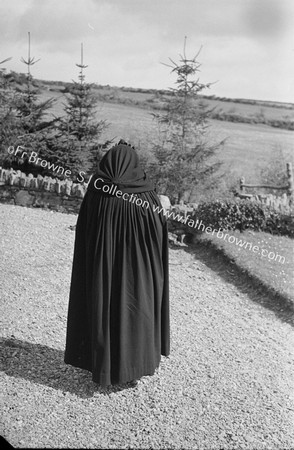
(243, 215)
(280, 224)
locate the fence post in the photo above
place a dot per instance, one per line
(290, 182)
(242, 182)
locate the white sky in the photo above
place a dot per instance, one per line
(247, 45)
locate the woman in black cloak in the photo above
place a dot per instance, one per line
(118, 315)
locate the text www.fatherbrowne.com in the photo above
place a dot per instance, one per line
(221, 234)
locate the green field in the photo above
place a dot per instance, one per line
(148, 98)
(248, 147)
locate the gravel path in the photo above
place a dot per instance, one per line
(227, 383)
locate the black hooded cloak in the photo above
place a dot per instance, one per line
(118, 314)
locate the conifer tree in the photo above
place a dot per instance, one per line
(35, 127)
(182, 152)
(79, 130)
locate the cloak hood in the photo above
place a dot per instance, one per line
(120, 166)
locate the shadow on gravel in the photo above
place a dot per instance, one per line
(44, 365)
(246, 283)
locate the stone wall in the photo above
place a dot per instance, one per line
(17, 188)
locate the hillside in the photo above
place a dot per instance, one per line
(251, 140)
(248, 147)
(277, 114)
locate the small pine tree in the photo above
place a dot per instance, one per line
(34, 127)
(182, 152)
(79, 131)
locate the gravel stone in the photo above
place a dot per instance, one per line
(227, 384)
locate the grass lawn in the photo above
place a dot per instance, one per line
(275, 270)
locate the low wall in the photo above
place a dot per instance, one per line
(17, 188)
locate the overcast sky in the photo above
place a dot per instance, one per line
(247, 45)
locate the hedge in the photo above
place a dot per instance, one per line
(243, 215)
